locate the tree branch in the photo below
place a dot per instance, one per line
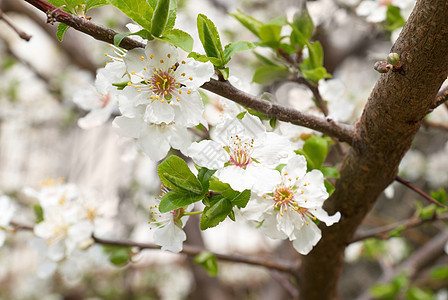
(442, 97)
(224, 88)
(285, 267)
(390, 120)
(383, 232)
(418, 191)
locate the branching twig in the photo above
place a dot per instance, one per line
(20, 33)
(383, 232)
(223, 88)
(340, 131)
(286, 267)
(418, 191)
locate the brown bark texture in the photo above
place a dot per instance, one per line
(390, 120)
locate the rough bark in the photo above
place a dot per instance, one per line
(391, 118)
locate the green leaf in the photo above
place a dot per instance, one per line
(225, 73)
(172, 15)
(397, 231)
(39, 212)
(297, 39)
(269, 73)
(176, 175)
(118, 255)
(270, 34)
(384, 291)
(265, 60)
(415, 293)
(439, 195)
(62, 29)
(138, 10)
(209, 36)
(330, 172)
(219, 186)
(394, 20)
(95, 3)
(217, 211)
(329, 187)
(208, 261)
(316, 74)
(177, 38)
(440, 273)
(316, 55)
(425, 212)
(237, 198)
(177, 199)
(250, 23)
(236, 47)
(273, 123)
(303, 23)
(316, 149)
(204, 176)
(160, 17)
(142, 33)
(204, 58)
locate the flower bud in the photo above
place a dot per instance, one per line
(393, 59)
(382, 66)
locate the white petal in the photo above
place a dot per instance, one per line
(153, 142)
(196, 73)
(236, 177)
(158, 112)
(164, 55)
(264, 179)
(289, 222)
(257, 207)
(296, 168)
(56, 252)
(179, 137)
(189, 109)
(323, 216)
(306, 238)
(270, 227)
(2, 237)
(134, 62)
(274, 148)
(170, 237)
(96, 117)
(253, 126)
(46, 269)
(208, 154)
(128, 127)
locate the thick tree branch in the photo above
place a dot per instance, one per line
(224, 88)
(442, 97)
(384, 231)
(391, 118)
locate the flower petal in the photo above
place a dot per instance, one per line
(153, 142)
(208, 154)
(170, 237)
(128, 127)
(189, 109)
(160, 55)
(196, 73)
(159, 112)
(306, 238)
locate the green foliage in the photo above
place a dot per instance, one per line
(62, 29)
(118, 255)
(237, 198)
(440, 273)
(247, 21)
(330, 172)
(138, 10)
(216, 210)
(394, 20)
(269, 73)
(415, 293)
(208, 261)
(270, 35)
(232, 48)
(177, 38)
(177, 199)
(312, 67)
(204, 176)
(315, 151)
(160, 17)
(439, 195)
(389, 291)
(425, 212)
(120, 36)
(302, 28)
(39, 213)
(176, 175)
(329, 187)
(374, 248)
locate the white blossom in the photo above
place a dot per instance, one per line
(7, 209)
(243, 154)
(375, 10)
(289, 209)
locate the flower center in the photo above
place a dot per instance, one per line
(385, 2)
(240, 152)
(163, 83)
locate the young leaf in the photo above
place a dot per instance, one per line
(208, 261)
(160, 17)
(176, 175)
(239, 199)
(217, 211)
(118, 255)
(302, 22)
(225, 72)
(316, 74)
(62, 29)
(270, 34)
(269, 73)
(316, 149)
(177, 199)
(209, 36)
(39, 212)
(95, 3)
(120, 36)
(316, 54)
(394, 20)
(204, 176)
(138, 10)
(177, 38)
(233, 48)
(250, 23)
(330, 172)
(439, 195)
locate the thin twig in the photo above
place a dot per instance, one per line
(384, 231)
(315, 90)
(20, 33)
(340, 131)
(429, 124)
(286, 267)
(418, 191)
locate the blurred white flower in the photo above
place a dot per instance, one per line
(375, 10)
(436, 172)
(7, 209)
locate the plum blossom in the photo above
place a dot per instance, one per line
(289, 209)
(165, 85)
(168, 226)
(7, 209)
(243, 154)
(154, 139)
